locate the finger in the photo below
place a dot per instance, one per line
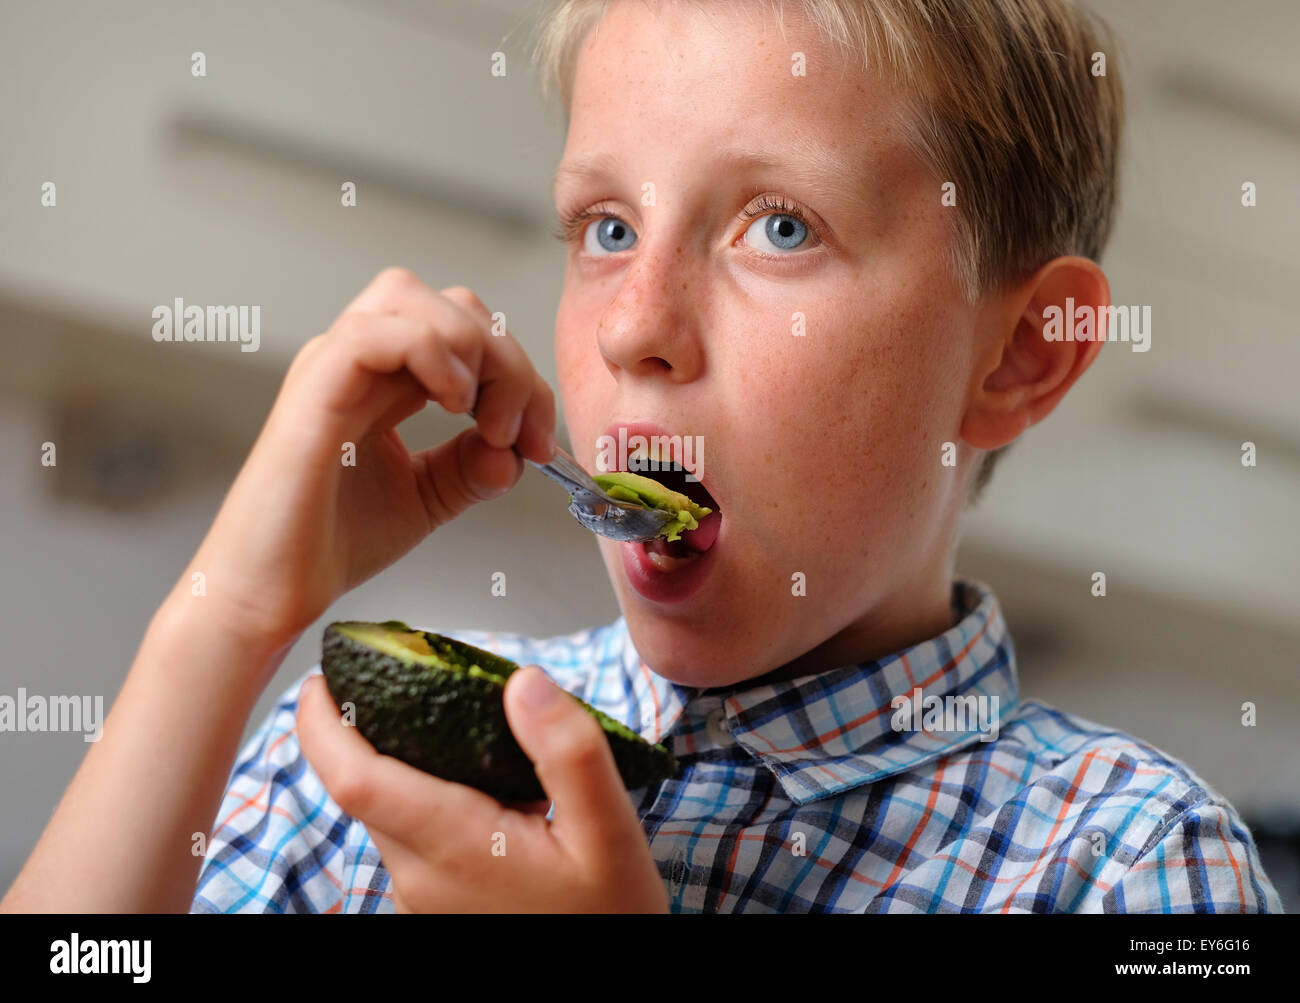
(403, 865)
(360, 347)
(536, 439)
(593, 816)
(504, 373)
(417, 809)
(468, 299)
(450, 477)
(409, 398)
(460, 473)
(399, 292)
(359, 401)
(537, 433)
(528, 807)
(468, 886)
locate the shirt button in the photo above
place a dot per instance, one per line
(717, 729)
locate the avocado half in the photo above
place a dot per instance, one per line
(630, 487)
(438, 705)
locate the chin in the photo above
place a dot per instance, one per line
(703, 641)
(694, 654)
(679, 654)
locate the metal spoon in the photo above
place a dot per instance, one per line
(620, 520)
(611, 517)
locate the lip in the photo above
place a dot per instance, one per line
(651, 430)
(648, 581)
(667, 586)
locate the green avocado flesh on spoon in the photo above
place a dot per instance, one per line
(630, 487)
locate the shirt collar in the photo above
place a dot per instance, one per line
(824, 734)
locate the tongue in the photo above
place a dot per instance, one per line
(703, 538)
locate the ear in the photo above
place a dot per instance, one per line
(1021, 375)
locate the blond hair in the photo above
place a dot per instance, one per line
(1016, 102)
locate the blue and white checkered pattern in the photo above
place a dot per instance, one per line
(813, 795)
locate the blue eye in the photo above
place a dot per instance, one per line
(782, 231)
(609, 235)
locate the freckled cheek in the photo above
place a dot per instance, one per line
(568, 363)
(848, 425)
(798, 439)
(578, 367)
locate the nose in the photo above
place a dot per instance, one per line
(650, 327)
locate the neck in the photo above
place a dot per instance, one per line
(895, 624)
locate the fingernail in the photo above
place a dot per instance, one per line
(461, 374)
(484, 492)
(539, 692)
(488, 493)
(513, 434)
(550, 444)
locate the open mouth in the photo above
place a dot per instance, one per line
(669, 556)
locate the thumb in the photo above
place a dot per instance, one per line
(461, 472)
(574, 762)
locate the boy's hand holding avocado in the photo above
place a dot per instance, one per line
(437, 704)
(450, 848)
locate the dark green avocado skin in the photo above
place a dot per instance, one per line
(452, 724)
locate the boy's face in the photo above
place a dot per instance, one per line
(821, 450)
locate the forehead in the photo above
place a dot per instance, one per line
(660, 80)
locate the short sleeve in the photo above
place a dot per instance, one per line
(1203, 861)
(279, 843)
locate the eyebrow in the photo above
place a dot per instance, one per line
(817, 169)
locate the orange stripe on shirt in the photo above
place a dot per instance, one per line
(1241, 893)
(645, 669)
(930, 802)
(838, 731)
(265, 786)
(1045, 857)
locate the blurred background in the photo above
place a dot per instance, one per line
(225, 189)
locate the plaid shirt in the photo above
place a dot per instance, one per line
(813, 795)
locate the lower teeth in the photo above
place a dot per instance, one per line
(668, 556)
(665, 563)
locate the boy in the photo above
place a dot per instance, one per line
(826, 245)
